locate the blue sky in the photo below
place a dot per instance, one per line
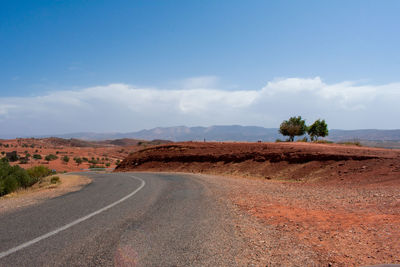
(51, 47)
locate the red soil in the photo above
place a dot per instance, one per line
(105, 151)
(337, 204)
(278, 161)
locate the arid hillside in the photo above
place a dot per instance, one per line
(70, 154)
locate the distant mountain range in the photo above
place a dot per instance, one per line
(232, 133)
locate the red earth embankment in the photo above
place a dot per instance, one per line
(278, 161)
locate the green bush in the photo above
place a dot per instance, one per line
(50, 157)
(9, 185)
(37, 156)
(13, 177)
(38, 172)
(96, 167)
(22, 177)
(65, 159)
(23, 160)
(55, 180)
(93, 161)
(78, 160)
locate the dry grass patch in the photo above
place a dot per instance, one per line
(50, 187)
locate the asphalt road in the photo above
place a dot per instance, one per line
(123, 219)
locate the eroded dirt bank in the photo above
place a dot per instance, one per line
(277, 161)
(314, 204)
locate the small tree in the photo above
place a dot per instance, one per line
(318, 129)
(65, 159)
(295, 126)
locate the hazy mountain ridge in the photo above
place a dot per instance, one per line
(232, 133)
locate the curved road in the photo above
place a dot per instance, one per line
(122, 219)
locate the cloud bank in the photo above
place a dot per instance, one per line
(124, 108)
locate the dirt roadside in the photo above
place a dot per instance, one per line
(292, 224)
(36, 194)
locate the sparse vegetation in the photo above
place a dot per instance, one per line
(14, 177)
(55, 180)
(39, 172)
(351, 143)
(23, 160)
(37, 156)
(323, 142)
(65, 159)
(304, 139)
(12, 156)
(96, 167)
(78, 160)
(50, 157)
(93, 161)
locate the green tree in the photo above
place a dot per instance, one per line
(318, 129)
(295, 126)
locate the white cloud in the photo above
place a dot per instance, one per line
(4, 109)
(122, 107)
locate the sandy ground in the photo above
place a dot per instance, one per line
(26, 197)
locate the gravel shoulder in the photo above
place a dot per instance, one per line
(298, 224)
(35, 194)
